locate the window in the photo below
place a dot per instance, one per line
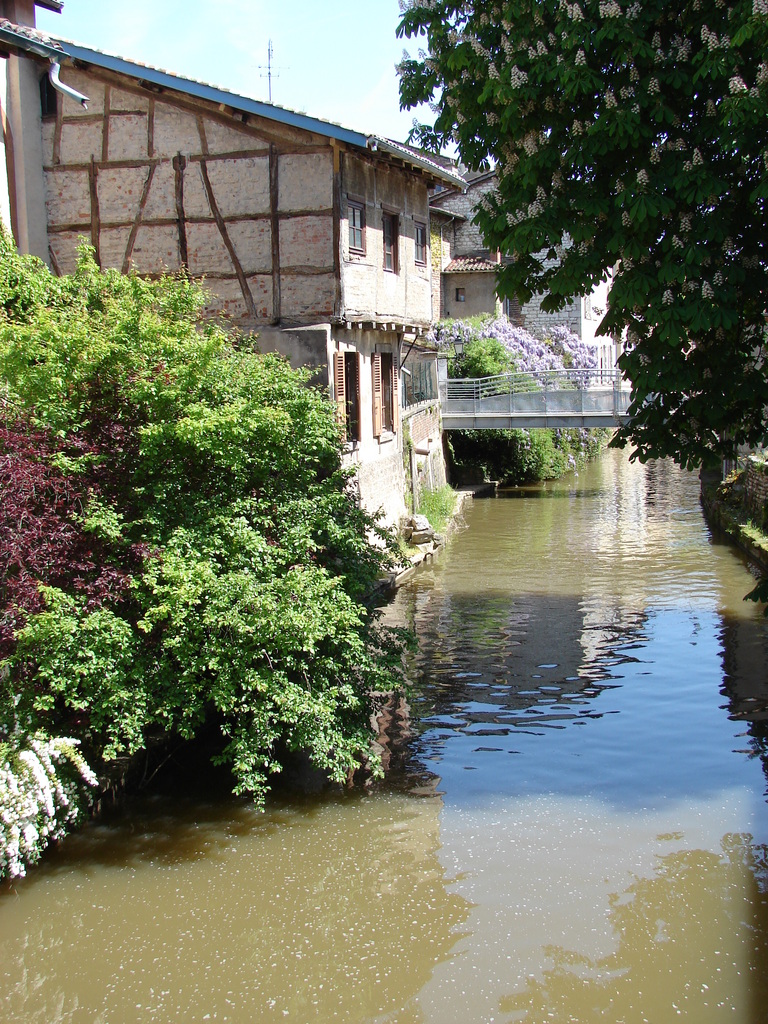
(389, 233)
(460, 296)
(386, 393)
(356, 215)
(421, 243)
(347, 393)
(48, 98)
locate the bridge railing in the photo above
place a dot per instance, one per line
(478, 388)
(541, 398)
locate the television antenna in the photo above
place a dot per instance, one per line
(269, 68)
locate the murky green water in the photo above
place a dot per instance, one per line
(574, 829)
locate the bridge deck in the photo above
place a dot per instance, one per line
(553, 398)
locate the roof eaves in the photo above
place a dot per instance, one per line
(448, 214)
(418, 160)
(29, 40)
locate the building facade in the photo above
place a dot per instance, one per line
(313, 236)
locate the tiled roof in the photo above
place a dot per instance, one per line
(31, 39)
(470, 265)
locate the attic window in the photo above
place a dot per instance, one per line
(48, 98)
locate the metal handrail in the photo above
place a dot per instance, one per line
(477, 388)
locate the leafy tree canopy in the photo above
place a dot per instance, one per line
(178, 544)
(630, 138)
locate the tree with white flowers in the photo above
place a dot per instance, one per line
(629, 137)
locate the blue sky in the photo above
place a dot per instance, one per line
(334, 58)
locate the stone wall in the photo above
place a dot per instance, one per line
(426, 468)
(756, 489)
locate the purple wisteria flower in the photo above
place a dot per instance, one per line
(561, 349)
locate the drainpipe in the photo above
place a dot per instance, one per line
(53, 77)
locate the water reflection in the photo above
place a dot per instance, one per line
(700, 908)
(337, 910)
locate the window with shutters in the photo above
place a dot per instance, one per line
(347, 393)
(389, 233)
(386, 393)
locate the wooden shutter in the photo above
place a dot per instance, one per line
(340, 391)
(395, 393)
(377, 393)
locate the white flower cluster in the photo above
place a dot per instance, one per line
(478, 47)
(698, 159)
(610, 9)
(653, 86)
(718, 279)
(531, 143)
(517, 77)
(707, 291)
(626, 220)
(574, 12)
(737, 84)
(667, 298)
(581, 58)
(759, 7)
(610, 99)
(38, 803)
(677, 242)
(712, 41)
(642, 178)
(685, 222)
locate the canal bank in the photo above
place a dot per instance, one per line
(574, 829)
(738, 506)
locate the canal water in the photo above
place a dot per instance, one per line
(574, 828)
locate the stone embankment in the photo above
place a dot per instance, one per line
(739, 507)
(423, 542)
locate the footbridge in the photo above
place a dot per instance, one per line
(549, 398)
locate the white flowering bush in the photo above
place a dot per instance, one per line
(44, 784)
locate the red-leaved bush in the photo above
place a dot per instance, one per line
(41, 539)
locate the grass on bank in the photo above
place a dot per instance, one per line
(438, 506)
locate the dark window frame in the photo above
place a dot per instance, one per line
(354, 206)
(389, 235)
(420, 243)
